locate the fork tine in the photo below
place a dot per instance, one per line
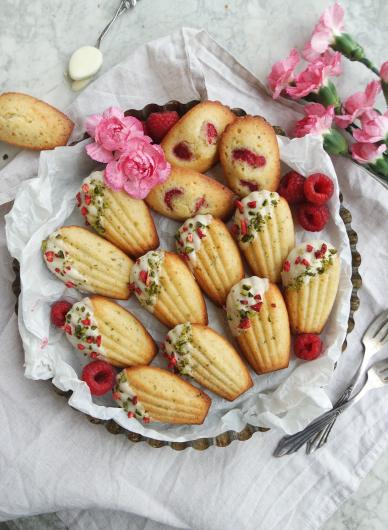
(381, 331)
(383, 335)
(376, 325)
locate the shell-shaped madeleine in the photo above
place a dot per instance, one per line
(87, 262)
(153, 394)
(165, 287)
(257, 316)
(211, 254)
(249, 155)
(201, 353)
(265, 232)
(124, 221)
(192, 143)
(310, 277)
(104, 330)
(187, 193)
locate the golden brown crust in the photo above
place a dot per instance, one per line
(267, 343)
(167, 397)
(310, 306)
(267, 252)
(180, 299)
(197, 194)
(125, 339)
(219, 265)
(217, 365)
(31, 123)
(190, 130)
(257, 135)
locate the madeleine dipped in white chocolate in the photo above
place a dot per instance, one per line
(201, 353)
(265, 232)
(119, 218)
(257, 317)
(310, 279)
(166, 288)
(102, 329)
(211, 254)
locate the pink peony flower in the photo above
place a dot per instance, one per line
(282, 73)
(367, 153)
(318, 120)
(330, 24)
(357, 104)
(111, 131)
(384, 72)
(138, 169)
(374, 127)
(315, 75)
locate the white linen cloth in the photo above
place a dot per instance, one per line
(52, 459)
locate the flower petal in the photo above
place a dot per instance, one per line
(91, 123)
(113, 177)
(97, 152)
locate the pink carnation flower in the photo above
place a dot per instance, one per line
(111, 131)
(384, 72)
(330, 24)
(374, 127)
(357, 104)
(138, 169)
(315, 75)
(367, 153)
(282, 73)
(318, 120)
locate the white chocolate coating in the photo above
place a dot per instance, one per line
(243, 301)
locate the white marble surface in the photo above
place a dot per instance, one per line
(37, 37)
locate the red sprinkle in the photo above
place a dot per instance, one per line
(257, 297)
(234, 229)
(298, 260)
(138, 291)
(78, 199)
(80, 347)
(243, 227)
(286, 266)
(305, 262)
(184, 229)
(245, 323)
(134, 400)
(252, 204)
(116, 395)
(239, 205)
(131, 414)
(86, 322)
(257, 307)
(98, 340)
(70, 285)
(143, 275)
(85, 188)
(309, 248)
(67, 329)
(84, 211)
(244, 302)
(201, 235)
(190, 238)
(57, 270)
(132, 286)
(89, 340)
(94, 355)
(49, 256)
(88, 199)
(323, 248)
(146, 420)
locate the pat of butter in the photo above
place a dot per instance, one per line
(82, 83)
(85, 62)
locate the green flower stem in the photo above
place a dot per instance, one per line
(334, 143)
(384, 86)
(369, 65)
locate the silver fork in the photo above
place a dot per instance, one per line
(377, 376)
(373, 340)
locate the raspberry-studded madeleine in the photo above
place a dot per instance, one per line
(104, 330)
(257, 317)
(310, 278)
(165, 287)
(87, 262)
(152, 394)
(211, 254)
(204, 355)
(249, 155)
(187, 193)
(192, 143)
(116, 216)
(265, 232)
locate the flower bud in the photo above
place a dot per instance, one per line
(334, 143)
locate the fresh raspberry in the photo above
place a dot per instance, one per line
(182, 151)
(246, 155)
(291, 187)
(170, 194)
(158, 124)
(308, 346)
(318, 188)
(311, 217)
(99, 376)
(58, 312)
